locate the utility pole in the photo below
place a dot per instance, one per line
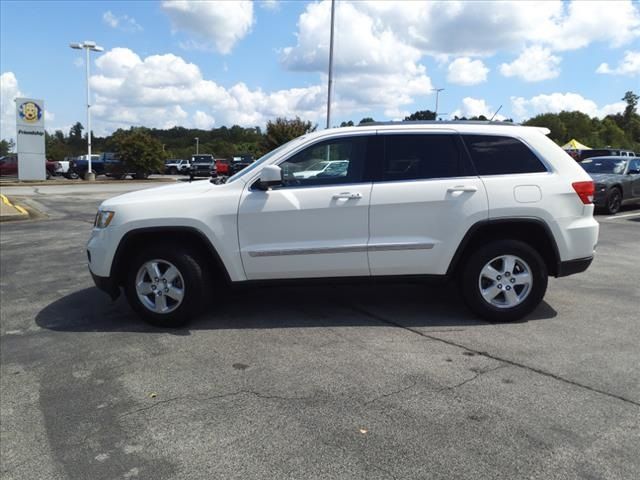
(197, 145)
(437, 90)
(333, 8)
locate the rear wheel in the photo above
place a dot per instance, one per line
(165, 285)
(141, 175)
(173, 171)
(504, 280)
(614, 201)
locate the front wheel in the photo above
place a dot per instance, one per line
(614, 201)
(504, 280)
(164, 285)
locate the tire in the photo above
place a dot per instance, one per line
(48, 174)
(502, 301)
(141, 175)
(190, 280)
(173, 171)
(614, 201)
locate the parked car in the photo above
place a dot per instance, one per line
(497, 207)
(80, 165)
(202, 165)
(52, 168)
(176, 166)
(322, 168)
(239, 163)
(617, 181)
(604, 152)
(65, 168)
(9, 165)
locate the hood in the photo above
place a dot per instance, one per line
(606, 178)
(181, 189)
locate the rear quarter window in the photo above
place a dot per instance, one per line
(501, 155)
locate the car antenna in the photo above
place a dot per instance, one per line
(495, 113)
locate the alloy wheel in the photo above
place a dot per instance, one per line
(160, 286)
(505, 281)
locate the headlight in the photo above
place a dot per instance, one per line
(103, 219)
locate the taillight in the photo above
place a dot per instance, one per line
(585, 191)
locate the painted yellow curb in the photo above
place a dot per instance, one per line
(6, 201)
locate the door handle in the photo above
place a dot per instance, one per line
(348, 195)
(462, 188)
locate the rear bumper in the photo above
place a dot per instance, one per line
(106, 284)
(571, 267)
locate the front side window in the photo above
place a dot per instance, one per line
(415, 156)
(499, 155)
(326, 163)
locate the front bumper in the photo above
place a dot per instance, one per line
(106, 284)
(571, 267)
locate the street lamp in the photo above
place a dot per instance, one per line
(88, 46)
(197, 145)
(437, 90)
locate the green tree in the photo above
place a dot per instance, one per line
(422, 115)
(282, 130)
(138, 150)
(552, 122)
(6, 147)
(75, 133)
(611, 134)
(347, 124)
(366, 120)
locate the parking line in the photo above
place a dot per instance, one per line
(623, 216)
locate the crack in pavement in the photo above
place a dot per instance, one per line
(539, 371)
(213, 397)
(481, 372)
(395, 392)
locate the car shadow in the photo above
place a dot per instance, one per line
(407, 305)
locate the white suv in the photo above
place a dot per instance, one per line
(497, 207)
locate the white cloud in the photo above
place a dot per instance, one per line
(110, 19)
(558, 102)
(629, 65)
(464, 71)
(483, 28)
(474, 107)
(220, 25)
(202, 120)
(9, 90)
(533, 65)
(373, 67)
(269, 4)
(165, 90)
(122, 22)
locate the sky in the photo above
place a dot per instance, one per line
(207, 64)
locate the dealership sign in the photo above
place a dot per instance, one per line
(30, 135)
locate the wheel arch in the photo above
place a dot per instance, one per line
(194, 238)
(533, 231)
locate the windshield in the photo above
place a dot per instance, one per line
(604, 165)
(263, 159)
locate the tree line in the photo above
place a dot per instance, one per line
(620, 130)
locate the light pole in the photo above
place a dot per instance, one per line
(333, 8)
(437, 90)
(88, 46)
(197, 145)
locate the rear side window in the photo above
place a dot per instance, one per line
(414, 157)
(496, 155)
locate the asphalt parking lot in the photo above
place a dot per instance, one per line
(376, 382)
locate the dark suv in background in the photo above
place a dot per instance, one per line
(202, 165)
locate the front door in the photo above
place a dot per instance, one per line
(316, 223)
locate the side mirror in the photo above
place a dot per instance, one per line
(270, 176)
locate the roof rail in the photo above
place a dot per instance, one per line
(443, 122)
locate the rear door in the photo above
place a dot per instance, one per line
(633, 172)
(424, 199)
